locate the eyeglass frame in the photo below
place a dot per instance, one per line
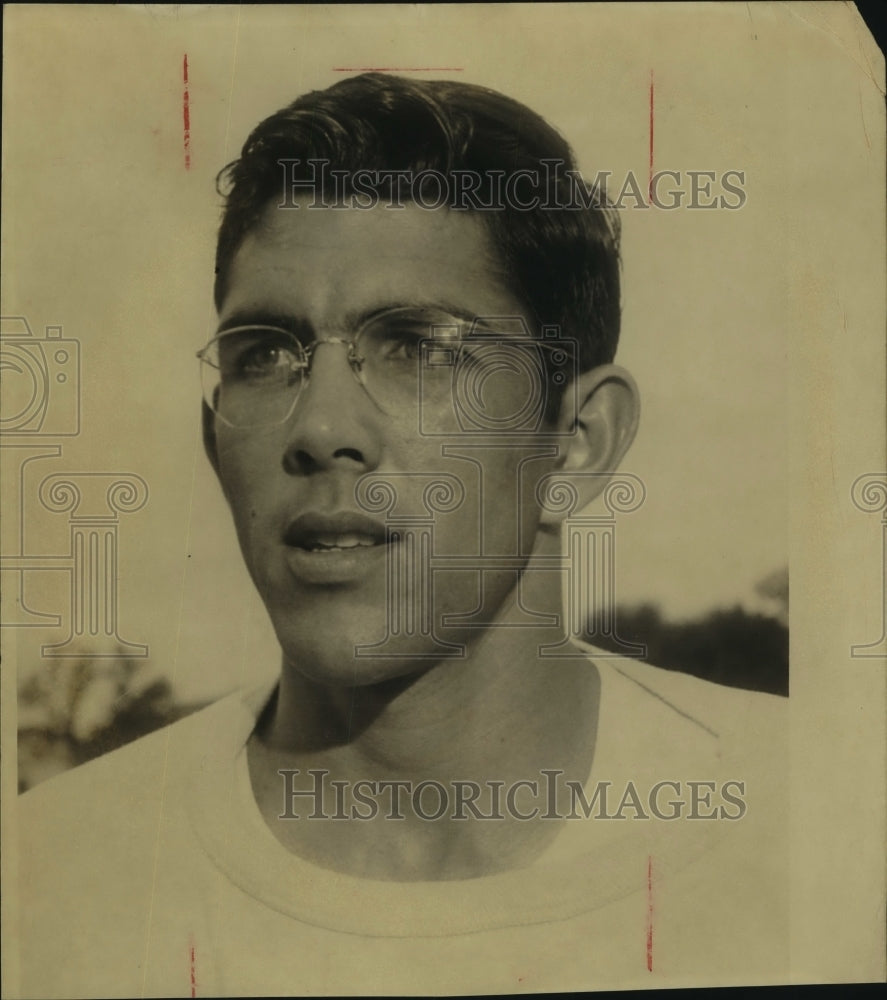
(355, 361)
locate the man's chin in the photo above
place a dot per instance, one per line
(338, 662)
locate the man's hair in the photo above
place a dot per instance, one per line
(562, 262)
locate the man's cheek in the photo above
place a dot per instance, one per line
(244, 503)
(241, 473)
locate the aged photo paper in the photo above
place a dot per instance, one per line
(577, 662)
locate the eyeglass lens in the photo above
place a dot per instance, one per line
(403, 358)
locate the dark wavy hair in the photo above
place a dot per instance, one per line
(563, 262)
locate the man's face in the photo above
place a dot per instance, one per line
(322, 572)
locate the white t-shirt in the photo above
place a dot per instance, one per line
(151, 871)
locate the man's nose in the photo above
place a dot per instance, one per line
(334, 423)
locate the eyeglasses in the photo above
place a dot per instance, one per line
(403, 357)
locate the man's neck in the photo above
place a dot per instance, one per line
(500, 714)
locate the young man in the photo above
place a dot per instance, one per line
(418, 314)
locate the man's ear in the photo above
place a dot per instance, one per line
(599, 417)
(208, 422)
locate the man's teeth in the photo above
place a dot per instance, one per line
(349, 541)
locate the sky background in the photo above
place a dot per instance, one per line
(113, 239)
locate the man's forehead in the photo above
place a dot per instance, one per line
(435, 231)
(324, 256)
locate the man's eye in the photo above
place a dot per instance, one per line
(254, 358)
(401, 346)
(264, 358)
(400, 338)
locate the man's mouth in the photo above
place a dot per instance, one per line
(345, 531)
(336, 543)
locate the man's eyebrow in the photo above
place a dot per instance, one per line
(356, 318)
(265, 317)
(351, 321)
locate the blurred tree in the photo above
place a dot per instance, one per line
(774, 587)
(72, 711)
(727, 646)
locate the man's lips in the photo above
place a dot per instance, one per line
(339, 549)
(343, 531)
